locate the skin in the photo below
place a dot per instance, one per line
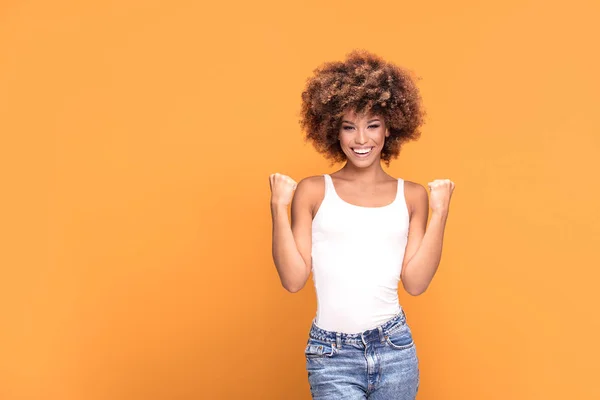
(363, 182)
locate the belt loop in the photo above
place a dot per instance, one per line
(381, 336)
(338, 340)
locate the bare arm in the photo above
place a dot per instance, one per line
(424, 248)
(292, 243)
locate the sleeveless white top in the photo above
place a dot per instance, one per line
(357, 255)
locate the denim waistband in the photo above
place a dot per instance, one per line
(375, 334)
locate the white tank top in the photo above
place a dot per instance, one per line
(357, 255)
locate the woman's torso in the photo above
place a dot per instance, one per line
(357, 254)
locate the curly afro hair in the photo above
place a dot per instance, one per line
(363, 83)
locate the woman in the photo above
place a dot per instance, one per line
(359, 230)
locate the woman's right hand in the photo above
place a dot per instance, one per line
(282, 189)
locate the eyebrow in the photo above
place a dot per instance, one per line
(368, 122)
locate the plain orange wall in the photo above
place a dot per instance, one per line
(137, 141)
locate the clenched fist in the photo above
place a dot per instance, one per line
(282, 189)
(441, 192)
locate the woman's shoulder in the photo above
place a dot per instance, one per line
(414, 193)
(313, 178)
(312, 184)
(413, 186)
(310, 191)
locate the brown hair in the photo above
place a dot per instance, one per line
(365, 83)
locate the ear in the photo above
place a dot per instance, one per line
(387, 132)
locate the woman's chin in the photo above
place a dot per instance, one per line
(362, 163)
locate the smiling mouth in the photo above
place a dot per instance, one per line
(362, 151)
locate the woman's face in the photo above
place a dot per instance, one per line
(362, 137)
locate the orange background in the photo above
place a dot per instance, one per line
(137, 140)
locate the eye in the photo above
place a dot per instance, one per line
(374, 126)
(348, 127)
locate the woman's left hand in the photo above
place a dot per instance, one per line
(441, 193)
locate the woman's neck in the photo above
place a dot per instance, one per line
(370, 174)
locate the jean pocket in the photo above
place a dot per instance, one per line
(401, 338)
(319, 349)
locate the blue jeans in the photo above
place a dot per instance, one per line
(377, 364)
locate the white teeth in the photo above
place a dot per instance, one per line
(362, 151)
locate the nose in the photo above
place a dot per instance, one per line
(361, 137)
